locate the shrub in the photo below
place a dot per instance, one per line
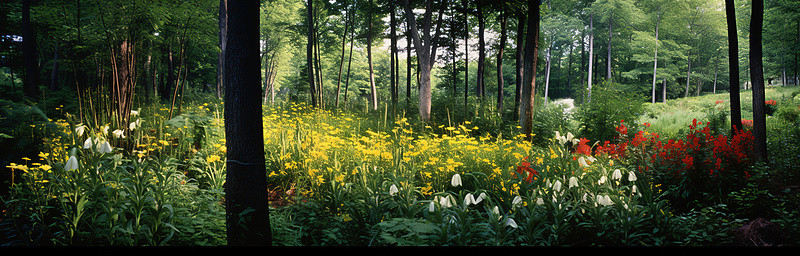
(599, 117)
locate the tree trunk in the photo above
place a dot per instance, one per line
(310, 54)
(547, 75)
(655, 58)
(500, 50)
(247, 211)
(408, 65)
(757, 74)
(341, 62)
(393, 56)
(426, 54)
(610, 36)
(373, 90)
(664, 91)
(480, 82)
(688, 75)
(30, 81)
(591, 57)
(733, 65)
(519, 61)
(223, 28)
(529, 82)
(465, 4)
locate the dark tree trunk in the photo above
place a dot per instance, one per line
(310, 54)
(247, 212)
(480, 82)
(757, 74)
(341, 62)
(223, 28)
(733, 64)
(373, 90)
(30, 81)
(519, 58)
(465, 4)
(501, 48)
(393, 56)
(54, 74)
(529, 77)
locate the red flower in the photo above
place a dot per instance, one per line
(621, 128)
(583, 148)
(719, 101)
(688, 161)
(525, 168)
(771, 102)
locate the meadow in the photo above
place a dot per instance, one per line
(672, 176)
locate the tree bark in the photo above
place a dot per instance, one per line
(465, 4)
(480, 82)
(733, 65)
(688, 75)
(373, 90)
(591, 56)
(247, 211)
(521, 20)
(529, 82)
(426, 54)
(757, 74)
(610, 36)
(500, 50)
(655, 58)
(223, 28)
(310, 53)
(341, 62)
(30, 81)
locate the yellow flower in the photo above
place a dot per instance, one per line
(212, 158)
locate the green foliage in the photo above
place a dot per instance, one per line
(610, 105)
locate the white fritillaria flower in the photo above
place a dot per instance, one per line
(573, 182)
(72, 164)
(80, 129)
(118, 134)
(517, 200)
(105, 130)
(480, 198)
(604, 200)
(602, 180)
(447, 201)
(496, 211)
(616, 175)
(456, 180)
(132, 126)
(87, 144)
(511, 222)
(134, 113)
(469, 199)
(631, 176)
(557, 186)
(105, 147)
(431, 207)
(393, 190)
(539, 201)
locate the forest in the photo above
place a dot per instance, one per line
(400, 123)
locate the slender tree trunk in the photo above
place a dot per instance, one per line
(223, 28)
(341, 62)
(733, 65)
(393, 58)
(30, 81)
(757, 74)
(591, 56)
(500, 50)
(519, 61)
(664, 91)
(310, 53)
(426, 54)
(688, 75)
(480, 82)
(529, 84)
(408, 65)
(610, 37)
(318, 65)
(655, 58)
(246, 205)
(465, 4)
(547, 75)
(569, 65)
(373, 90)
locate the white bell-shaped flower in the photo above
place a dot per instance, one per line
(393, 190)
(557, 186)
(510, 222)
(72, 164)
(456, 180)
(469, 199)
(573, 182)
(631, 176)
(80, 129)
(118, 134)
(87, 144)
(105, 147)
(616, 175)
